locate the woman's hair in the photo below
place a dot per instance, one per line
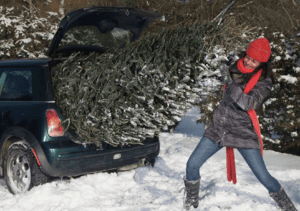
(267, 69)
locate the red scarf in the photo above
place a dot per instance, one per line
(231, 174)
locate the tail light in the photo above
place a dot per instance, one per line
(53, 123)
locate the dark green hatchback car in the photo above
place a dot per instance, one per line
(34, 146)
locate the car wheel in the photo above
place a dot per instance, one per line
(21, 171)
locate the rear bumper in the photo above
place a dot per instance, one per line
(70, 159)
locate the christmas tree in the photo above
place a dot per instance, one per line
(126, 95)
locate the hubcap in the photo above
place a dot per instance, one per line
(19, 173)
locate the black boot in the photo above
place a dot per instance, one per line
(283, 200)
(192, 193)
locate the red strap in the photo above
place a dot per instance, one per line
(252, 114)
(252, 82)
(256, 126)
(230, 161)
(231, 175)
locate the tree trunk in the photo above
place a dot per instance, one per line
(61, 7)
(30, 7)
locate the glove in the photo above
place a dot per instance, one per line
(237, 94)
(225, 74)
(233, 88)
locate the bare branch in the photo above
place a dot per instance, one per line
(287, 14)
(245, 4)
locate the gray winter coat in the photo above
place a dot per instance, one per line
(231, 126)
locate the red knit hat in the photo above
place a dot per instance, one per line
(259, 50)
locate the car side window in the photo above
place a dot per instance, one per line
(90, 35)
(16, 85)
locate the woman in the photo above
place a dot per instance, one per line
(235, 125)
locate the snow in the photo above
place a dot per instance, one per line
(277, 58)
(294, 134)
(27, 40)
(52, 13)
(297, 69)
(7, 21)
(157, 188)
(288, 78)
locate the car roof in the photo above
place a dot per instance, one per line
(24, 62)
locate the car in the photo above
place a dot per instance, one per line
(34, 145)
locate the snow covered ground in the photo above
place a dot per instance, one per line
(157, 188)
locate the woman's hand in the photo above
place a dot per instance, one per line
(232, 87)
(224, 69)
(236, 93)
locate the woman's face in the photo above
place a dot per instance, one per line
(250, 63)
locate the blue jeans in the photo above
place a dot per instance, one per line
(206, 148)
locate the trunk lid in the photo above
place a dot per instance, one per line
(100, 28)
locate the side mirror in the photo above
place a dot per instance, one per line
(105, 26)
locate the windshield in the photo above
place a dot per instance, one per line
(90, 35)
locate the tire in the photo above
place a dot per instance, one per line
(21, 171)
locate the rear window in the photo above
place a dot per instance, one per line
(90, 35)
(16, 85)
